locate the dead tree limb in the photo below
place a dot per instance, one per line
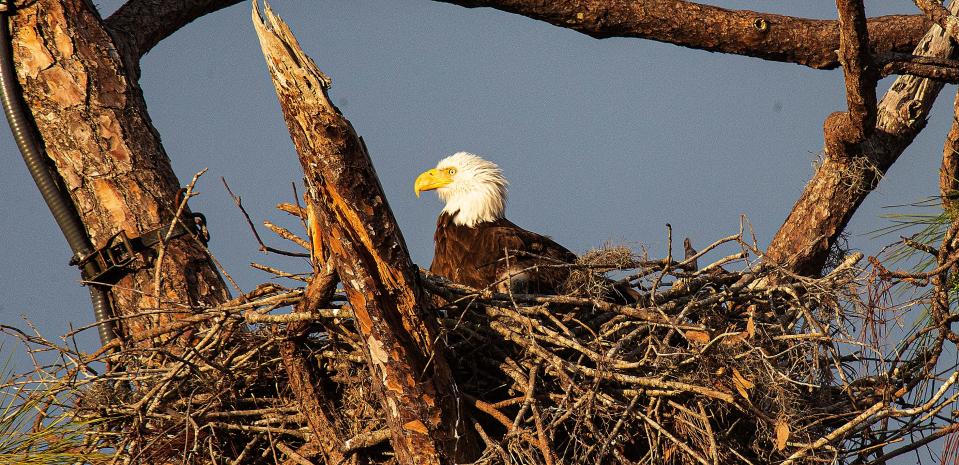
(95, 128)
(405, 358)
(850, 172)
(934, 10)
(808, 42)
(939, 70)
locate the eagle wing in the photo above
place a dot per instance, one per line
(499, 253)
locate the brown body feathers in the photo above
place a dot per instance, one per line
(499, 253)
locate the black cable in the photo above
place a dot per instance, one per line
(59, 202)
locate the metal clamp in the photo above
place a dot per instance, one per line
(118, 256)
(110, 262)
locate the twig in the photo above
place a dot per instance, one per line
(682, 445)
(279, 273)
(365, 440)
(263, 247)
(488, 409)
(287, 234)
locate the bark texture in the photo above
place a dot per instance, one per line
(939, 70)
(369, 254)
(934, 10)
(93, 122)
(849, 172)
(949, 170)
(808, 42)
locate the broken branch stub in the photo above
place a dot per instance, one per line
(408, 367)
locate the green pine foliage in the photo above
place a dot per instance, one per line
(36, 427)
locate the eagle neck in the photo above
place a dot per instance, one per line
(480, 204)
(470, 217)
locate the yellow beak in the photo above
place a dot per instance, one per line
(432, 179)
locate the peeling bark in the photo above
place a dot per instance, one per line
(367, 249)
(93, 123)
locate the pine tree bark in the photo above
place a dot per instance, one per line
(392, 312)
(93, 122)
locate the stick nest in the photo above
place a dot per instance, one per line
(709, 366)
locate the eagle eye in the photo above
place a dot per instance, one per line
(452, 171)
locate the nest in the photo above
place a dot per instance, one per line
(710, 366)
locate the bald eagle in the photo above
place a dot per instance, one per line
(475, 244)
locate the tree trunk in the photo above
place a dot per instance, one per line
(393, 314)
(94, 125)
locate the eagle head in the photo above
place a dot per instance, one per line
(474, 189)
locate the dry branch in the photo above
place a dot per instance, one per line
(312, 400)
(553, 379)
(934, 10)
(543, 379)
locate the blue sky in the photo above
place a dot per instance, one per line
(602, 140)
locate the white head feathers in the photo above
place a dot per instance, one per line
(478, 191)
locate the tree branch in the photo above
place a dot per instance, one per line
(936, 69)
(850, 172)
(141, 24)
(808, 42)
(860, 74)
(949, 170)
(303, 380)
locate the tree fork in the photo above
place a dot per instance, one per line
(405, 357)
(860, 73)
(94, 126)
(849, 172)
